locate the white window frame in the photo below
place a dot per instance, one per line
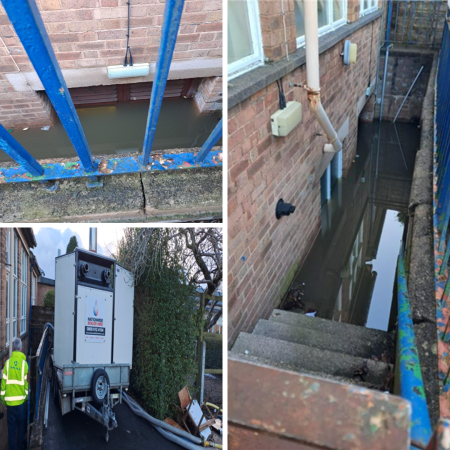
(23, 292)
(373, 7)
(250, 62)
(8, 269)
(331, 26)
(15, 284)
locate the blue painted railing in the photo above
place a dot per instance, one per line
(441, 218)
(28, 24)
(41, 356)
(408, 364)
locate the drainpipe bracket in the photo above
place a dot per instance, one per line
(328, 148)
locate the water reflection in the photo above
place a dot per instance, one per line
(120, 129)
(349, 273)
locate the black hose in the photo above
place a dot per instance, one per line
(125, 62)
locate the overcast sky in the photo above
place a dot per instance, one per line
(50, 239)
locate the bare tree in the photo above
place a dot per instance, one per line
(199, 250)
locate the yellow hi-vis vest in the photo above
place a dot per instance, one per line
(14, 390)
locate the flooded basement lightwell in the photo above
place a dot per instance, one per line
(348, 276)
(120, 129)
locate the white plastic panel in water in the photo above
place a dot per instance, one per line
(94, 326)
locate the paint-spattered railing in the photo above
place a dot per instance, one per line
(416, 22)
(441, 217)
(27, 22)
(408, 364)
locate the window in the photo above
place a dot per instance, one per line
(244, 37)
(15, 286)
(23, 292)
(331, 14)
(367, 6)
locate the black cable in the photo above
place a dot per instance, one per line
(125, 63)
(282, 97)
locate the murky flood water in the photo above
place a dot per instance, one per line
(349, 273)
(121, 128)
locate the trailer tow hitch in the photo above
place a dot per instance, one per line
(106, 417)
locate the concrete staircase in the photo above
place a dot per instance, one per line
(344, 352)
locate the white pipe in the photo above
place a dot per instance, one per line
(313, 76)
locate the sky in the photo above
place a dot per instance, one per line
(50, 239)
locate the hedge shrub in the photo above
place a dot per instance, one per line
(49, 298)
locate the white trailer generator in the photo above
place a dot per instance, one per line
(93, 345)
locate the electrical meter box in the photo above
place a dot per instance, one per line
(94, 299)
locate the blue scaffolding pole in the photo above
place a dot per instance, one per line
(28, 24)
(15, 151)
(169, 32)
(210, 142)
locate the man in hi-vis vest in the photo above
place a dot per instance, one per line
(14, 393)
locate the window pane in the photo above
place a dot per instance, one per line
(366, 4)
(15, 299)
(299, 18)
(239, 34)
(338, 10)
(322, 8)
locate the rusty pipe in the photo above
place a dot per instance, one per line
(313, 77)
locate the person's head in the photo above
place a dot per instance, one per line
(17, 345)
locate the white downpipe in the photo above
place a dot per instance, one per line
(11, 287)
(313, 76)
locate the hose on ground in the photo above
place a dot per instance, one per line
(178, 440)
(214, 406)
(136, 409)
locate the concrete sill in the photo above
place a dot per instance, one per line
(246, 85)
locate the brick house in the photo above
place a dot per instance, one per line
(44, 285)
(265, 253)
(18, 268)
(88, 36)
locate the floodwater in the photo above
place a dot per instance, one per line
(350, 271)
(120, 129)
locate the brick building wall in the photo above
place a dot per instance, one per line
(89, 35)
(209, 94)
(265, 253)
(41, 291)
(4, 351)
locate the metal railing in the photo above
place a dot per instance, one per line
(408, 364)
(416, 22)
(27, 22)
(441, 217)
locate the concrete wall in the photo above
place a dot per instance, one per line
(403, 66)
(87, 36)
(265, 254)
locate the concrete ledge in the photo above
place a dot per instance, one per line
(421, 283)
(249, 83)
(98, 76)
(191, 188)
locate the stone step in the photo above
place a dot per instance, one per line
(373, 346)
(284, 366)
(302, 357)
(340, 330)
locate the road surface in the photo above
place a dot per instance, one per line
(76, 431)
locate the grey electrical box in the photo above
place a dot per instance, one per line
(285, 120)
(93, 310)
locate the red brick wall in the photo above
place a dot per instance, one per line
(25, 337)
(41, 291)
(264, 253)
(209, 94)
(92, 34)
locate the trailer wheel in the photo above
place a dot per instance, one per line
(99, 387)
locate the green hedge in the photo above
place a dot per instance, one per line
(49, 298)
(166, 326)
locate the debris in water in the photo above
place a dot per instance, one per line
(46, 128)
(246, 352)
(53, 188)
(25, 129)
(10, 130)
(311, 314)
